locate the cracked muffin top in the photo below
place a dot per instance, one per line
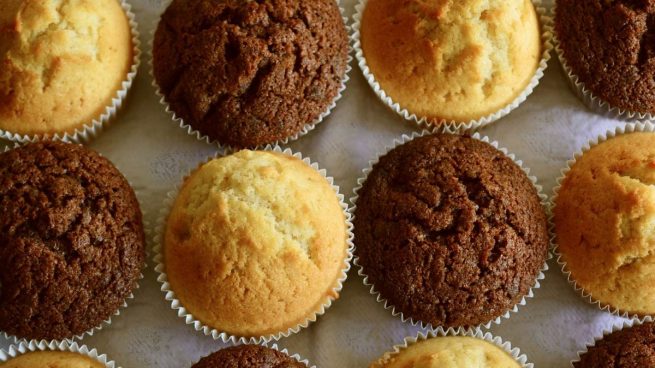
(604, 219)
(631, 347)
(450, 230)
(61, 63)
(610, 47)
(71, 240)
(52, 359)
(249, 73)
(248, 356)
(448, 352)
(255, 243)
(456, 60)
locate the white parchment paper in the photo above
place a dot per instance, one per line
(153, 152)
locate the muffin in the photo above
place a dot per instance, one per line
(52, 359)
(61, 63)
(449, 231)
(250, 73)
(448, 352)
(632, 347)
(451, 60)
(604, 214)
(609, 47)
(248, 356)
(71, 240)
(255, 243)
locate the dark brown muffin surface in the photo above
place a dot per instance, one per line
(450, 230)
(248, 356)
(628, 348)
(248, 73)
(71, 240)
(610, 46)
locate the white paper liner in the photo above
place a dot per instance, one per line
(24, 348)
(442, 125)
(387, 304)
(107, 322)
(592, 101)
(90, 130)
(629, 128)
(205, 138)
(607, 331)
(176, 304)
(514, 352)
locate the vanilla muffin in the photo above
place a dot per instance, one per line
(605, 219)
(255, 243)
(455, 60)
(448, 352)
(52, 359)
(61, 63)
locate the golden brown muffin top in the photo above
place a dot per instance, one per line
(61, 62)
(52, 359)
(605, 222)
(448, 352)
(255, 243)
(451, 59)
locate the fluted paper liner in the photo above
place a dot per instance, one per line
(189, 319)
(506, 346)
(205, 138)
(629, 128)
(592, 101)
(441, 125)
(90, 130)
(23, 348)
(106, 322)
(607, 331)
(362, 272)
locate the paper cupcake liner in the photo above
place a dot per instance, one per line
(205, 138)
(23, 348)
(608, 331)
(592, 101)
(90, 130)
(182, 312)
(362, 272)
(476, 333)
(107, 322)
(444, 125)
(630, 128)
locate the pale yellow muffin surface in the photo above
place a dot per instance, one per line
(52, 359)
(449, 352)
(255, 243)
(605, 222)
(61, 62)
(456, 60)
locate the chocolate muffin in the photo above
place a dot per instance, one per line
(71, 240)
(248, 356)
(449, 230)
(610, 47)
(632, 347)
(249, 73)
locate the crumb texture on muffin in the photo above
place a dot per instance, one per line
(248, 356)
(52, 359)
(451, 59)
(61, 62)
(605, 222)
(632, 347)
(610, 47)
(255, 243)
(448, 352)
(450, 230)
(71, 240)
(248, 73)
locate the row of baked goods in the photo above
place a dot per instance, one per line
(247, 74)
